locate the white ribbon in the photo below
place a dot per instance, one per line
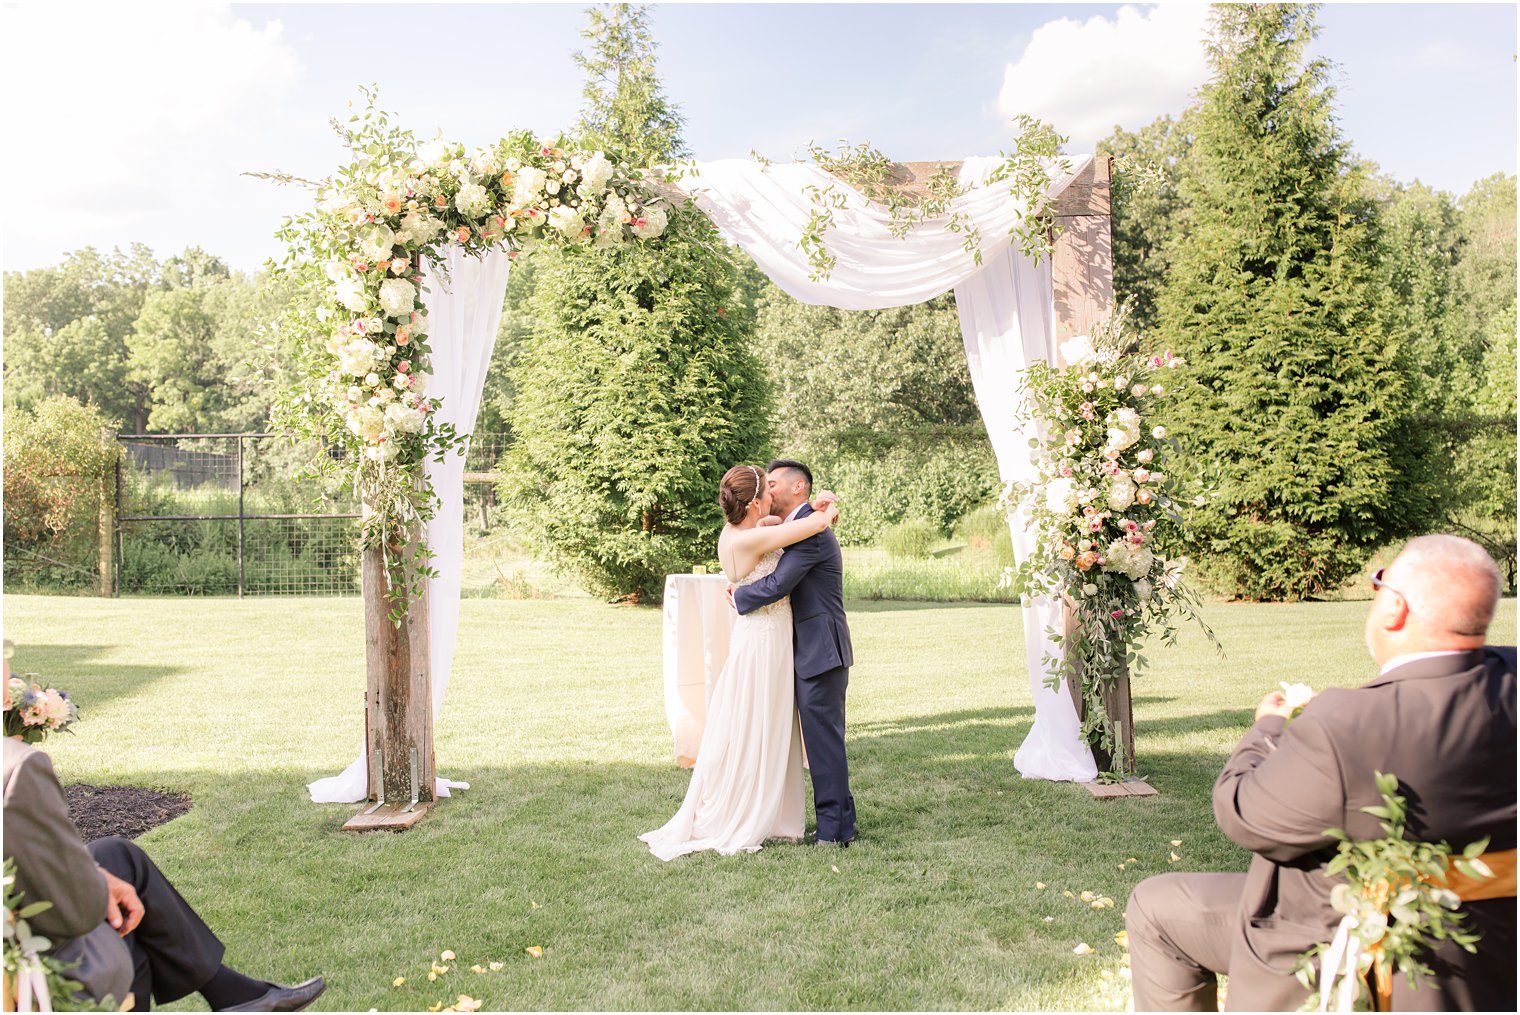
(30, 980)
(1340, 959)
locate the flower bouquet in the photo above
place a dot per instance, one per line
(32, 712)
(1110, 490)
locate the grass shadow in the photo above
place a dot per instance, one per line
(73, 668)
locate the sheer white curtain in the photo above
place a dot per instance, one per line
(1007, 320)
(464, 304)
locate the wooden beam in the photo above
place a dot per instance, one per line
(398, 698)
(1082, 287)
(1082, 261)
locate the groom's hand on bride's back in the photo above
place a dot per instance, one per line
(729, 592)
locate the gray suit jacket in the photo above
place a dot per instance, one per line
(1445, 726)
(53, 865)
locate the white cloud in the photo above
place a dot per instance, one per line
(132, 122)
(1085, 77)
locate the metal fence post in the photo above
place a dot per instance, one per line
(240, 513)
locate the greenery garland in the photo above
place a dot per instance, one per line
(1027, 172)
(358, 326)
(1394, 903)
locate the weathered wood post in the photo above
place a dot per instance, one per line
(106, 524)
(1082, 283)
(398, 698)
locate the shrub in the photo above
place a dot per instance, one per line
(910, 538)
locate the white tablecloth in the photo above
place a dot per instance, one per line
(698, 619)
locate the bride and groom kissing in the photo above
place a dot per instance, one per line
(784, 681)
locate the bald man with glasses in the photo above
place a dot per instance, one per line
(1441, 716)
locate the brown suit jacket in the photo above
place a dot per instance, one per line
(1445, 725)
(53, 865)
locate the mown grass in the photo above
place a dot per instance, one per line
(555, 716)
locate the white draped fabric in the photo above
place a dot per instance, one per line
(1007, 320)
(464, 310)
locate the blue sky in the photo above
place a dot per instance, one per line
(140, 117)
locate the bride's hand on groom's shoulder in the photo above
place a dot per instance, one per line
(768, 520)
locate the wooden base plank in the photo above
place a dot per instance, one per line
(1118, 790)
(390, 818)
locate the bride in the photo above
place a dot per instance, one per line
(746, 786)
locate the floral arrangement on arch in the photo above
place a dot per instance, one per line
(1110, 491)
(359, 326)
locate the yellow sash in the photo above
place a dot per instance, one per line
(1500, 886)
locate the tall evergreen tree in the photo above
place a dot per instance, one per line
(636, 389)
(1294, 387)
(1147, 209)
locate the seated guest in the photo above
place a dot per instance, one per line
(1441, 717)
(113, 912)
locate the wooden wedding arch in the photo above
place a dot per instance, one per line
(398, 680)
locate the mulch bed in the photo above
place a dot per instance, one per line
(129, 811)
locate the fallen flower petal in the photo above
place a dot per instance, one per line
(496, 966)
(1083, 949)
(446, 955)
(1122, 939)
(535, 951)
(1173, 858)
(1176, 842)
(1040, 885)
(398, 981)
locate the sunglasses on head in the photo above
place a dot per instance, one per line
(1378, 583)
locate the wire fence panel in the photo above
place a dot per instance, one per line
(230, 514)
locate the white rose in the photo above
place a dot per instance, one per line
(485, 164)
(383, 452)
(1061, 496)
(1123, 429)
(551, 186)
(434, 153)
(376, 241)
(567, 220)
(654, 224)
(1121, 494)
(1078, 351)
(513, 165)
(472, 200)
(596, 173)
(397, 297)
(1297, 695)
(1159, 433)
(358, 356)
(1134, 562)
(404, 418)
(528, 185)
(367, 422)
(350, 292)
(1143, 590)
(371, 379)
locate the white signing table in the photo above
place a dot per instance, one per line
(698, 620)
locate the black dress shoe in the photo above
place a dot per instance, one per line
(279, 998)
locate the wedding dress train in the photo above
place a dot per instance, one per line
(746, 786)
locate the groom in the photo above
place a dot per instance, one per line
(812, 573)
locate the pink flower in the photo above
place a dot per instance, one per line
(1142, 475)
(1157, 390)
(1087, 386)
(1096, 525)
(1117, 614)
(462, 234)
(1066, 469)
(1146, 455)
(1150, 524)
(404, 366)
(403, 336)
(1144, 496)
(1155, 361)
(399, 265)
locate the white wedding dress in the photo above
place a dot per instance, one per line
(746, 786)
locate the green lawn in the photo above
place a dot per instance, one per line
(555, 715)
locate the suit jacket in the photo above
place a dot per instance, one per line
(812, 573)
(1445, 725)
(53, 865)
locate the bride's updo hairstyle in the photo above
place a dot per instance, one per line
(740, 486)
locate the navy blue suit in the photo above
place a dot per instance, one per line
(812, 573)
